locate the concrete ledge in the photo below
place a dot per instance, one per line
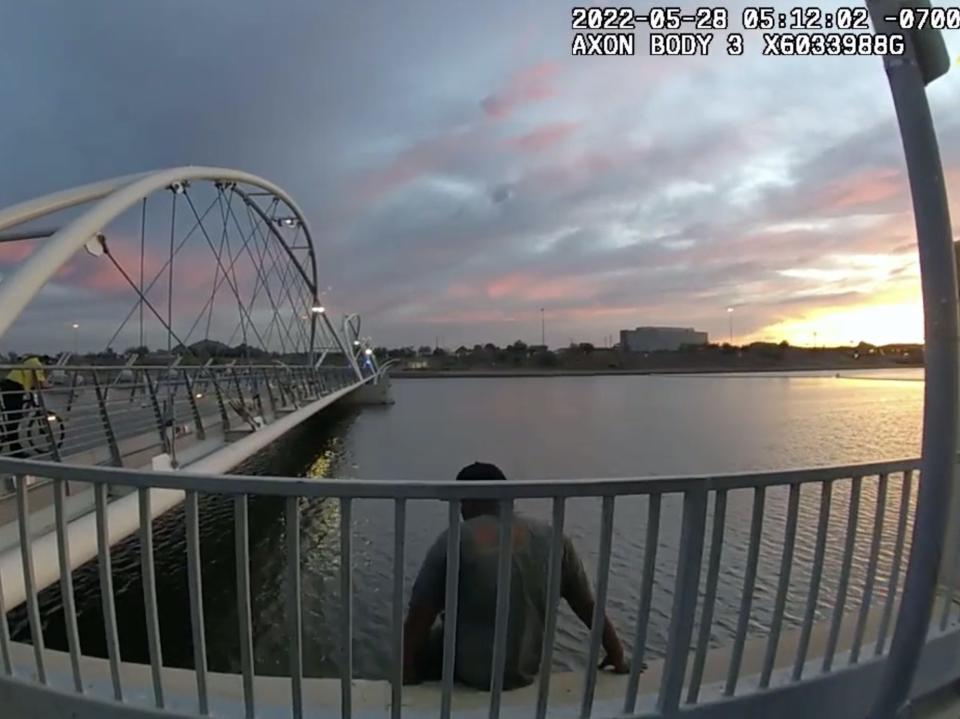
(850, 688)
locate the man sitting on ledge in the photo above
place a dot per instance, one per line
(477, 598)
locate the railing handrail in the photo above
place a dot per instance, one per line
(444, 490)
(198, 368)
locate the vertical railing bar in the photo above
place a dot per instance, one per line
(399, 539)
(194, 409)
(224, 417)
(4, 633)
(849, 545)
(504, 575)
(195, 588)
(600, 604)
(236, 383)
(266, 384)
(346, 602)
(646, 599)
(294, 616)
(29, 577)
(47, 429)
(710, 596)
(746, 601)
(150, 594)
(157, 413)
(826, 492)
(783, 585)
(895, 563)
(255, 389)
(689, 559)
(241, 533)
(66, 584)
(106, 587)
(450, 606)
(108, 434)
(282, 390)
(554, 576)
(881, 508)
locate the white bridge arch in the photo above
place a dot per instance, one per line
(109, 199)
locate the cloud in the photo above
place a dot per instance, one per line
(484, 173)
(543, 137)
(529, 85)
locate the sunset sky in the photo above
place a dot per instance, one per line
(460, 170)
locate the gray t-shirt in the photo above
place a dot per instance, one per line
(477, 598)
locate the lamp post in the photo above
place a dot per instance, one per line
(76, 338)
(924, 58)
(543, 329)
(730, 317)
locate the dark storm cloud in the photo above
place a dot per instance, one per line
(456, 163)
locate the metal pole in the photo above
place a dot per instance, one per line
(543, 329)
(340, 343)
(939, 285)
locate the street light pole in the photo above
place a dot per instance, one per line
(730, 317)
(923, 60)
(76, 339)
(543, 329)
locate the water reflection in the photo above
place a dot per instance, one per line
(553, 427)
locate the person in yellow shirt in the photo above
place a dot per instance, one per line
(13, 395)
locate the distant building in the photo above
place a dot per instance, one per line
(652, 339)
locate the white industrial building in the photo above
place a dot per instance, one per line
(652, 339)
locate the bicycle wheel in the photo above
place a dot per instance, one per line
(34, 432)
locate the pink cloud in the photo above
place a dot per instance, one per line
(419, 159)
(525, 287)
(543, 137)
(531, 84)
(862, 190)
(12, 253)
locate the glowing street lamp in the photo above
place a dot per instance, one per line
(730, 316)
(318, 309)
(76, 338)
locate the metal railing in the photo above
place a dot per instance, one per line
(875, 503)
(108, 414)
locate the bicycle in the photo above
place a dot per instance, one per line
(33, 434)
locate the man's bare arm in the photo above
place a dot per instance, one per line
(575, 588)
(583, 606)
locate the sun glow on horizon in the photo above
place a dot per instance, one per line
(882, 323)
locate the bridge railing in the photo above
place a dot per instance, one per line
(873, 503)
(108, 414)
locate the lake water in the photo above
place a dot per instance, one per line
(551, 427)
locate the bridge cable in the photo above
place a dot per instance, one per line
(143, 231)
(284, 275)
(149, 305)
(216, 273)
(220, 279)
(155, 279)
(262, 278)
(233, 287)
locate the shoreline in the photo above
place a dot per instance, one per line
(493, 373)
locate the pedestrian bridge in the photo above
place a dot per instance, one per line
(213, 269)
